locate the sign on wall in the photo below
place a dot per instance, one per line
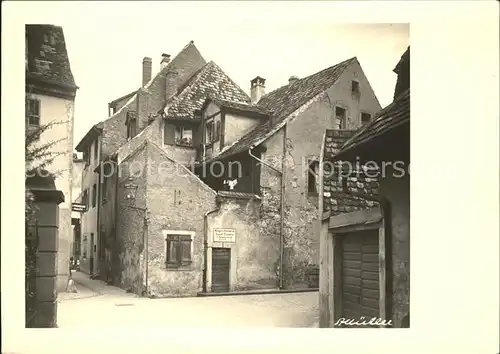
(77, 207)
(224, 235)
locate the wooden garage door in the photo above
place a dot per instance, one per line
(360, 276)
(221, 260)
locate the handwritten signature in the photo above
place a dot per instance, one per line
(374, 321)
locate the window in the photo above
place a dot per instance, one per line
(340, 116)
(96, 149)
(213, 131)
(131, 128)
(210, 132)
(85, 199)
(355, 87)
(365, 118)
(178, 249)
(183, 136)
(94, 195)
(312, 179)
(86, 156)
(33, 112)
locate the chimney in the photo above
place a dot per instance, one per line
(147, 65)
(257, 89)
(165, 59)
(170, 85)
(292, 79)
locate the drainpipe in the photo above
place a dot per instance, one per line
(386, 209)
(282, 203)
(205, 246)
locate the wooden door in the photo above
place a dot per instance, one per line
(360, 276)
(221, 260)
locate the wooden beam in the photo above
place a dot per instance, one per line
(367, 216)
(382, 274)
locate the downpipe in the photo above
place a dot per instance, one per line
(282, 203)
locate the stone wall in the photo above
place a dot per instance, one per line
(253, 255)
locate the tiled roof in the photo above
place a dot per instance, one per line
(284, 101)
(335, 199)
(47, 57)
(244, 107)
(209, 81)
(392, 116)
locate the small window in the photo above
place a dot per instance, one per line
(96, 150)
(178, 250)
(355, 87)
(94, 195)
(131, 128)
(340, 116)
(33, 112)
(365, 118)
(313, 180)
(85, 199)
(210, 132)
(183, 136)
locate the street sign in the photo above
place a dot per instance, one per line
(78, 207)
(224, 235)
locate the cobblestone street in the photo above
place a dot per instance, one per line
(100, 305)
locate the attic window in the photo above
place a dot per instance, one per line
(355, 87)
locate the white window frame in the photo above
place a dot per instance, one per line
(166, 233)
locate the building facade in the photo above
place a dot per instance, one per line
(173, 221)
(365, 254)
(50, 99)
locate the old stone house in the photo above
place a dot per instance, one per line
(364, 259)
(174, 225)
(50, 98)
(278, 156)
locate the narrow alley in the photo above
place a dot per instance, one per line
(99, 305)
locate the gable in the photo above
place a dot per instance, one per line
(210, 81)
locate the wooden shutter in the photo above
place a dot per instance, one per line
(169, 134)
(217, 131)
(186, 248)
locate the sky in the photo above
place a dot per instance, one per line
(106, 46)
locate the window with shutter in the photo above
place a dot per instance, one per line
(178, 250)
(217, 131)
(168, 134)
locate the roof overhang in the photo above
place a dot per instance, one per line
(91, 135)
(382, 146)
(128, 95)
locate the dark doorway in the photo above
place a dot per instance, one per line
(221, 260)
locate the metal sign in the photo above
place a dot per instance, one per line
(78, 207)
(224, 235)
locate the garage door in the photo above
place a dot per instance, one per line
(360, 275)
(221, 260)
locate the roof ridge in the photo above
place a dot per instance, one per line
(316, 73)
